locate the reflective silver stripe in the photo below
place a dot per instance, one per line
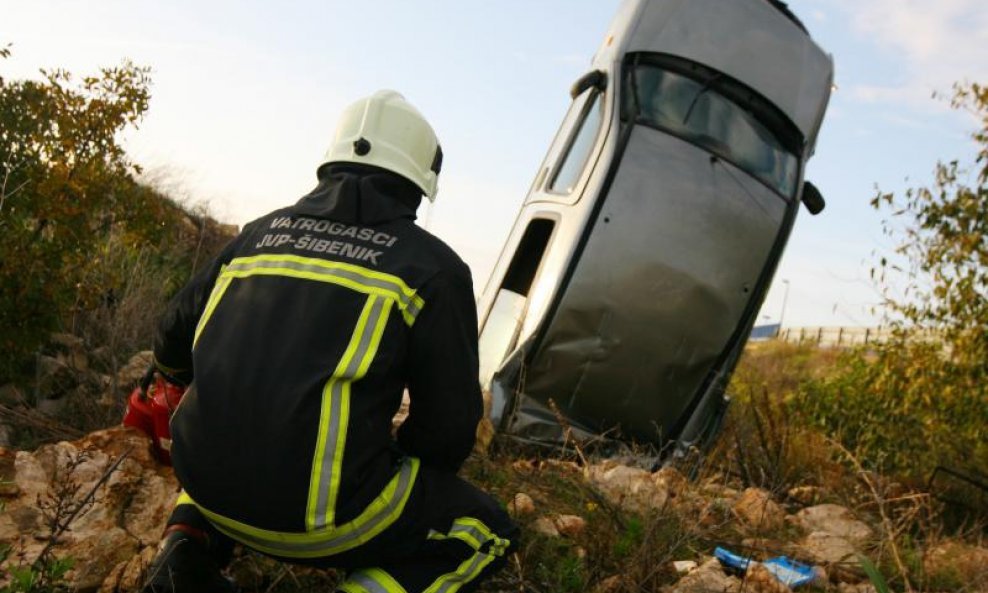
(475, 534)
(328, 543)
(339, 413)
(413, 308)
(410, 304)
(467, 534)
(454, 581)
(369, 583)
(336, 425)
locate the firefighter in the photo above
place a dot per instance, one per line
(296, 344)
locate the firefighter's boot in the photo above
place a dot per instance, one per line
(184, 565)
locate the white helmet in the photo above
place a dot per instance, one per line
(384, 130)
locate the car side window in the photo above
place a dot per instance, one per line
(577, 153)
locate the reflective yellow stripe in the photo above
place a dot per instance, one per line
(335, 403)
(475, 534)
(466, 572)
(352, 276)
(351, 587)
(309, 268)
(214, 299)
(381, 513)
(481, 532)
(335, 412)
(372, 580)
(463, 534)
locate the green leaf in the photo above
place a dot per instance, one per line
(874, 575)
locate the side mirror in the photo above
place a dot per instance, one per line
(594, 79)
(813, 199)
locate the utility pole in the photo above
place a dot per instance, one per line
(785, 299)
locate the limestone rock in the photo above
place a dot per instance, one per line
(708, 578)
(756, 508)
(566, 467)
(485, 428)
(827, 548)
(127, 515)
(669, 478)
(8, 487)
(570, 525)
(767, 546)
(717, 490)
(806, 495)
(485, 434)
(759, 580)
(102, 551)
(71, 350)
(521, 505)
(847, 573)
(128, 576)
(402, 413)
(610, 584)
(835, 520)
(523, 466)
(715, 512)
(55, 377)
(856, 588)
(546, 527)
(630, 488)
(130, 374)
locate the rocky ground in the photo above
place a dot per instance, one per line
(605, 526)
(122, 493)
(114, 534)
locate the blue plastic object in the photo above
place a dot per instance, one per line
(787, 571)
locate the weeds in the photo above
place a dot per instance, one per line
(864, 428)
(631, 550)
(874, 575)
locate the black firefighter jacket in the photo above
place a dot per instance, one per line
(299, 341)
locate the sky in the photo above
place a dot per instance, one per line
(246, 94)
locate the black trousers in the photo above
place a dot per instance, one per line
(449, 537)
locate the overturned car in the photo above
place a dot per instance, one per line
(628, 285)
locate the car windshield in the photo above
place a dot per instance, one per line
(696, 111)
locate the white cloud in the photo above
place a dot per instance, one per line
(938, 43)
(914, 93)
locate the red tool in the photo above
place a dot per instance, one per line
(149, 408)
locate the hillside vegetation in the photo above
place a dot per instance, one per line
(86, 247)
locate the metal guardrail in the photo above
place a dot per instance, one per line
(835, 336)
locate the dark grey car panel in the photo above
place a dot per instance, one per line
(669, 265)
